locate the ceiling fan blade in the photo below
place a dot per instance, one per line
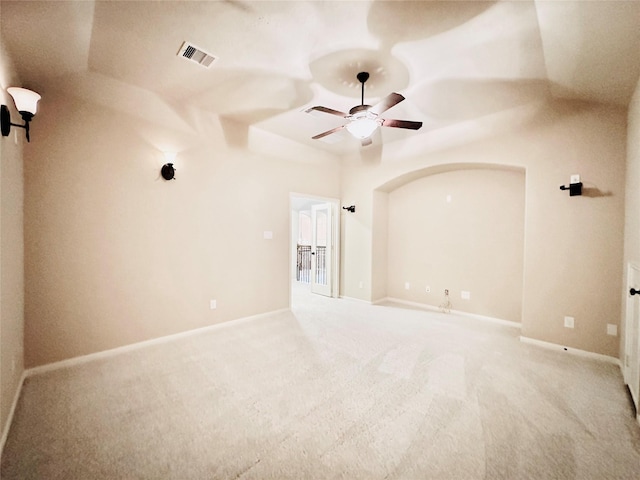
(401, 124)
(328, 132)
(327, 110)
(386, 103)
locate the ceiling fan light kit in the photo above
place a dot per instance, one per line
(364, 120)
(363, 126)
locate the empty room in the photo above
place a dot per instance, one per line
(365, 239)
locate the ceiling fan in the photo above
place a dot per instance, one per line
(363, 119)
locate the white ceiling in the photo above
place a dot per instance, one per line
(455, 62)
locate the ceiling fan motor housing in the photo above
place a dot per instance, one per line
(359, 108)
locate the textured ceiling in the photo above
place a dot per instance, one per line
(455, 62)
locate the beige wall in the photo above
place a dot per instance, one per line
(11, 253)
(117, 255)
(461, 230)
(381, 249)
(572, 245)
(355, 242)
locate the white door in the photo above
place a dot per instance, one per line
(321, 249)
(632, 335)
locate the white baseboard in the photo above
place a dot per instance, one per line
(139, 345)
(573, 351)
(432, 308)
(7, 425)
(422, 306)
(354, 299)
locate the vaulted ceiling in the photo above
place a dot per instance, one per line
(456, 62)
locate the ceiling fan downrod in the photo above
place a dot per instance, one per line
(362, 77)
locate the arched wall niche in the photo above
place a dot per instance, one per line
(458, 227)
(408, 177)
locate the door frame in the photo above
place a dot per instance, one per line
(322, 288)
(631, 343)
(294, 197)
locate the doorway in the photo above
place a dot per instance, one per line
(631, 368)
(314, 245)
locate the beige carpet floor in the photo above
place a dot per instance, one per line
(335, 389)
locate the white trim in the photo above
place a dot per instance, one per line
(336, 225)
(423, 306)
(354, 299)
(627, 363)
(432, 308)
(7, 425)
(571, 350)
(136, 346)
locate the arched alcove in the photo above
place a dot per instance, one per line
(458, 227)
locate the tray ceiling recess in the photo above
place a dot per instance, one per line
(337, 72)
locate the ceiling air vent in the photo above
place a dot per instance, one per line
(196, 54)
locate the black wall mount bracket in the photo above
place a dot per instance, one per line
(574, 189)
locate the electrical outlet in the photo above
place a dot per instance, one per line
(612, 329)
(361, 284)
(575, 178)
(465, 295)
(569, 322)
(407, 285)
(213, 304)
(427, 289)
(446, 291)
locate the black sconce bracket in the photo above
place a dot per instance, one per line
(168, 172)
(574, 189)
(351, 209)
(5, 121)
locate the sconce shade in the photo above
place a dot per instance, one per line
(27, 104)
(25, 100)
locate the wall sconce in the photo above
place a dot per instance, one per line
(351, 209)
(575, 186)
(167, 171)
(26, 103)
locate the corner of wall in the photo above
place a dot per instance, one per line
(11, 260)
